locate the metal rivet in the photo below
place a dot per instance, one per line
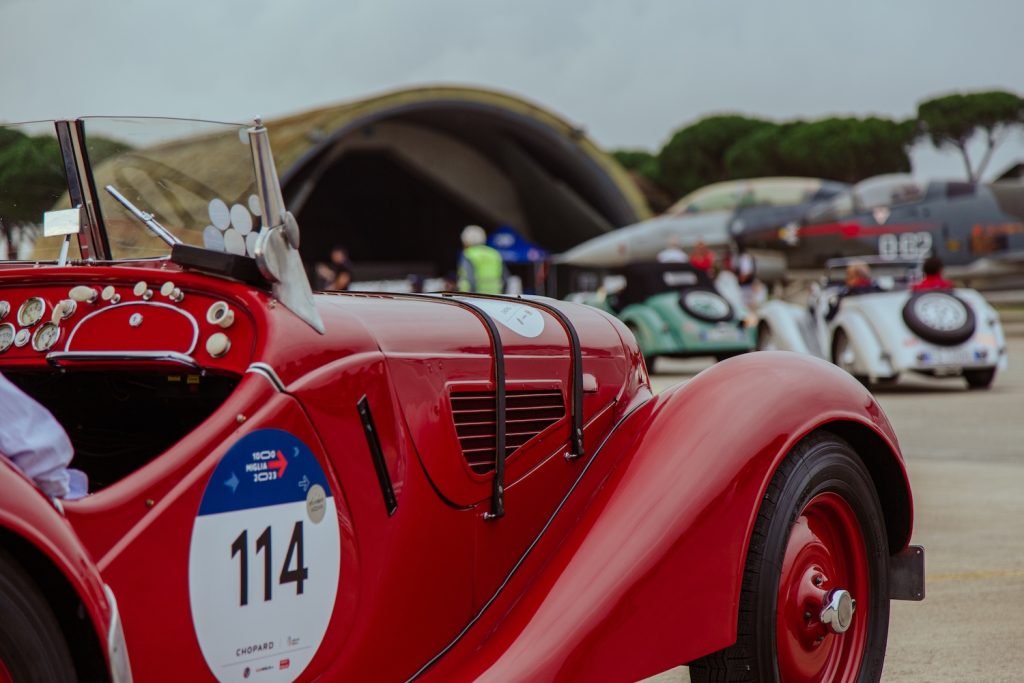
(150, 502)
(240, 418)
(135, 320)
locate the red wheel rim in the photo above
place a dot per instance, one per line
(5, 674)
(825, 551)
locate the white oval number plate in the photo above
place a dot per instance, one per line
(524, 320)
(264, 560)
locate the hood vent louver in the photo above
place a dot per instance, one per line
(527, 413)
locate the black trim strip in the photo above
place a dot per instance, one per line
(100, 243)
(522, 558)
(498, 483)
(372, 440)
(576, 409)
(576, 390)
(74, 183)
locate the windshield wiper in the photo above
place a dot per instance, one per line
(147, 218)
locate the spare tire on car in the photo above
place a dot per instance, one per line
(706, 305)
(939, 317)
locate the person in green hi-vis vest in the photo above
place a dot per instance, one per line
(481, 269)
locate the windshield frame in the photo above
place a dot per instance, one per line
(72, 139)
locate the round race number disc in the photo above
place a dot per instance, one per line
(264, 560)
(524, 320)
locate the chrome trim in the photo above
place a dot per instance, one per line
(188, 316)
(147, 218)
(75, 187)
(94, 234)
(265, 370)
(56, 358)
(117, 648)
(837, 613)
(277, 254)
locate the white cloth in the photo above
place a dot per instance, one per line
(672, 255)
(32, 439)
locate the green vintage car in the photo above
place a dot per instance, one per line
(675, 309)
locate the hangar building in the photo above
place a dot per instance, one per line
(395, 178)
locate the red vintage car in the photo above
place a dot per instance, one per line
(392, 487)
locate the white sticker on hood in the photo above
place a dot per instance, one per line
(524, 320)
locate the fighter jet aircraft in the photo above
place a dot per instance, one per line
(977, 229)
(706, 215)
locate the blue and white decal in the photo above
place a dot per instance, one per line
(264, 560)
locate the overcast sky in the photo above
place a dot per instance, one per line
(629, 72)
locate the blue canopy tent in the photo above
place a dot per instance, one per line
(524, 258)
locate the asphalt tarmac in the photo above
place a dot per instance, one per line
(965, 454)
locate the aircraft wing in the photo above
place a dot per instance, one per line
(642, 241)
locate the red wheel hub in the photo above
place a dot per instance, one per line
(825, 553)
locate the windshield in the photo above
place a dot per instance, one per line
(898, 275)
(757, 192)
(32, 182)
(195, 178)
(875, 192)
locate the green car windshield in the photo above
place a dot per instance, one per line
(195, 179)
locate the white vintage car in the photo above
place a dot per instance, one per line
(877, 335)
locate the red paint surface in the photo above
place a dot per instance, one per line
(26, 513)
(637, 572)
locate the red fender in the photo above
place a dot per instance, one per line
(26, 515)
(647, 576)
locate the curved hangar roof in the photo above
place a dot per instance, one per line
(396, 177)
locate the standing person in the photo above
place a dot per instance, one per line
(702, 257)
(481, 269)
(336, 275)
(672, 253)
(933, 276)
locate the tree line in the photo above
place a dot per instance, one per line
(32, 180)
(849, 149)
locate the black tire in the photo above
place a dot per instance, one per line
(649, 361)
(32, 646)
(840, 343)
(824, 468)
(706, 305)
(956, 329)
(980, 379)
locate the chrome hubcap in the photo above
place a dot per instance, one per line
(837, 612)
